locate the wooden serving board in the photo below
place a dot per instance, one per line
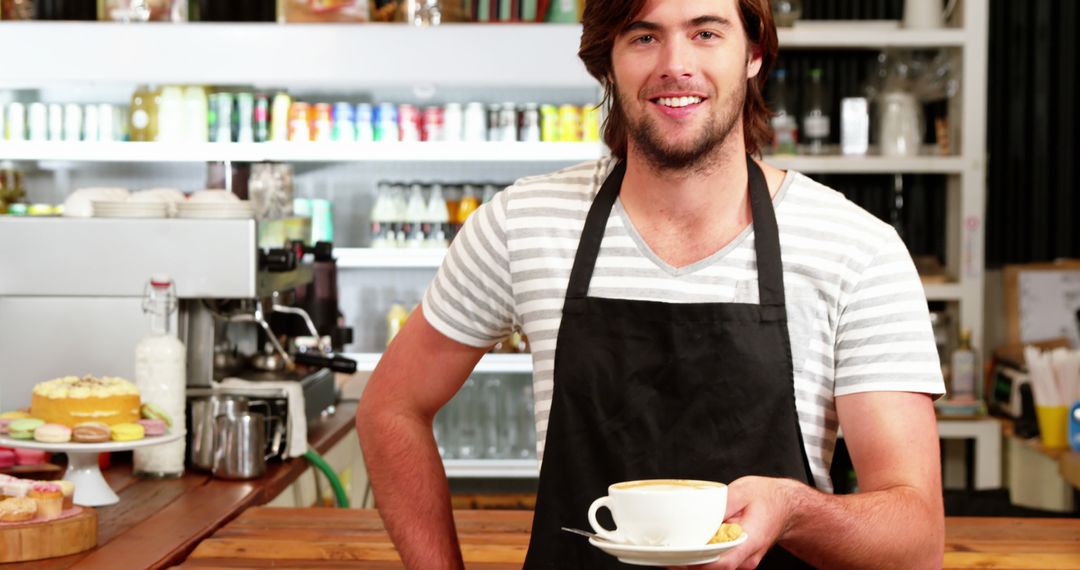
(48, 539)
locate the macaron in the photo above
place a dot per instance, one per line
(16, 415)
(153, 427)
(7, 458)
(23, 428)
(91, 432)
(127, 432)
(30, 457)
(4, 422)
(150, 411)
(52, 433)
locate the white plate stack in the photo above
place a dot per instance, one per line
(128, 209)
(216, 210)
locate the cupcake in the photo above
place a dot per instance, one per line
(49, 498)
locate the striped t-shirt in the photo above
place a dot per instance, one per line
(857, 312)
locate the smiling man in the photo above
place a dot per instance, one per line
(694, 313)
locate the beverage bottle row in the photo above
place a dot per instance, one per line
(815, 131)
(415, 216)
(489, 418)
(68, 122)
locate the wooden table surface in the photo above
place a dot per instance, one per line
(497, 540)
(156, 524)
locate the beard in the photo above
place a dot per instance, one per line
(700, 151)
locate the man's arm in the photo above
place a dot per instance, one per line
(420, 371)
(895, 521)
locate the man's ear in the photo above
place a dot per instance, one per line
(753, 62)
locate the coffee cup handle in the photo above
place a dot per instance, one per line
(600, 531)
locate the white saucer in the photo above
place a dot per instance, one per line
(666, 555)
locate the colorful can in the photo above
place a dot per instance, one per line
(590, 123)
(212, 116)
(549, 123)
(245, 117)
(262, 118)
(385, 122)
(322, 129)
(433, 125)
(530, 123)
(344, 123)
(300, 122)
(569, 123)
(280, 117)
(408, 122)
(365, 129)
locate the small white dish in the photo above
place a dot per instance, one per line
(666, 555)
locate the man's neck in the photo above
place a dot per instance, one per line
(704, 192)
(687, 215)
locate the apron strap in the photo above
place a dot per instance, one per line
(770, 269)
(593, 234)
(766, 236)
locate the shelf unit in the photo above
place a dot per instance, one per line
(480, 57)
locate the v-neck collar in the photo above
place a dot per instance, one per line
(666, 267)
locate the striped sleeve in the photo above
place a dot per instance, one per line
(884, 339)
(470, 300)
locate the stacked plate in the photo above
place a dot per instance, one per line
(126, 209)
(216, 210)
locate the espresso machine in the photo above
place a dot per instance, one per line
(71, 303)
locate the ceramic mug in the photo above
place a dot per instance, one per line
(662, 512)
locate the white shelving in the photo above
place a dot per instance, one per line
(865, 35)
(492, 468)
(489, 364)
(943, 291)
(869, 164)
(366, 258)
(323, 55)
(129, 152)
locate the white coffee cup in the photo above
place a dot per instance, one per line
(926, 14)
(662, 512)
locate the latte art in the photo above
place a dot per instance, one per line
(667, 485)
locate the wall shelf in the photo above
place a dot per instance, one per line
(492, 468)
(489, 364)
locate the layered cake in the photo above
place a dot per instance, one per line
(72, 400)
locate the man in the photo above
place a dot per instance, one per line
(693, 314)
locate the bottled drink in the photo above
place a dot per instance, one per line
(494, 129)
(508, 123)
(408, 123)
(786, 12)
(160, 374)
(569, 123)
(224, 118)
(395, 321)
(365, 130)
(91, 123)
(141, 125)
(16, 121)
(196, 107)
(549, 123)
(489, 193)
(785, 128)
(262, 118)
(415, 216)
(453, 123)
(400, 219)
(433, 124)
(965, 370)
(816, 119)
(300, 122)
(439, 217)
(382, 232)
(530, 123)
(73, 122)
(56, 122)
(475, 123)
(171, 114)
(385, 122)
(468, 204)
(245, 117)
(344, 123)
(467, 425)
(280, 117)
(323, 125)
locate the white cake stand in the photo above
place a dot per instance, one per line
(91, 489)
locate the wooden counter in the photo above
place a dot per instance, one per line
(157, 523)
(497, 540)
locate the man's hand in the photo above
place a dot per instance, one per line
(763, 507)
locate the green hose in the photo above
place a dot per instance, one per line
(320, 464)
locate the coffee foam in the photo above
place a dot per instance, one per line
(667, 485)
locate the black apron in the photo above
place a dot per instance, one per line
(651, 390)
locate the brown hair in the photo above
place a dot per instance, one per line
(604, 20)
